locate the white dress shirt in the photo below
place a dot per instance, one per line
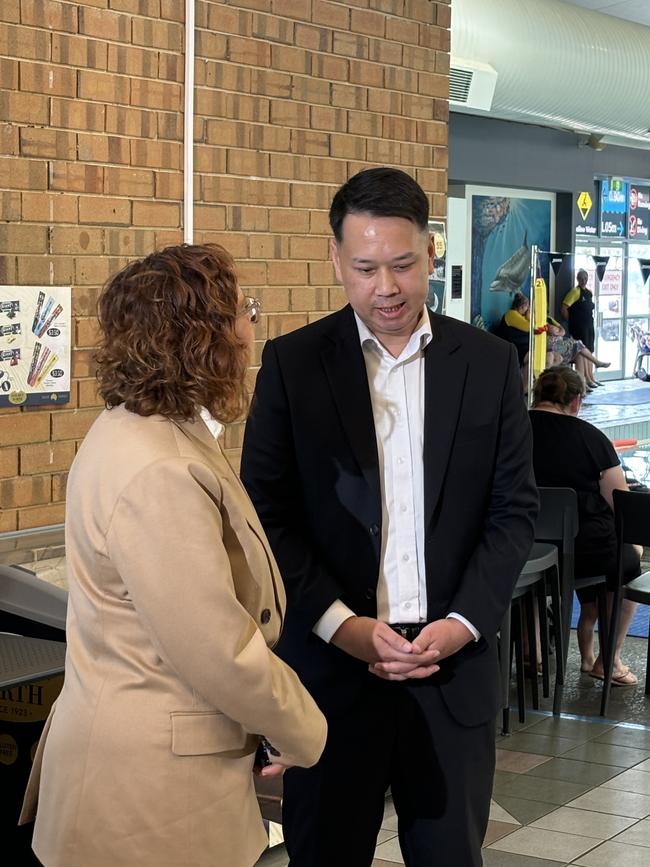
(215, 427)
(397, 395)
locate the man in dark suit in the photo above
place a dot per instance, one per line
(388, 455)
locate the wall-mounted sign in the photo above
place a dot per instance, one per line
(586, 213)
(436, 294)
(638, 219)
(613, 209)
(34, 345)
(585, 204)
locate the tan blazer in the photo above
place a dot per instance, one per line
(175, 599)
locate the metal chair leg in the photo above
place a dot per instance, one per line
(505, 666)
(608, 660)
(519, 659)
(532, 646)
(543, 633)
(558, 625)
(567, 591)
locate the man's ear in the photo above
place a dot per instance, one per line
(334, 255)
(431, 254)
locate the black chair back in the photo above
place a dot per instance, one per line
(557, 522)
(632, 514)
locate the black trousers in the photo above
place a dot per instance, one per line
(398, 734)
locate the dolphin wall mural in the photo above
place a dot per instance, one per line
(511, 276)
(503, 230)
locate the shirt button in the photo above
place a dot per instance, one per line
(374, 530)
(403, 508)
(370, 593)
(407, 605)
(406, 558)
(400, 461)
(265, 616)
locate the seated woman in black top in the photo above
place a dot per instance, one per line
(571, 453)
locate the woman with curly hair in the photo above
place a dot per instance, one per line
(175, 597)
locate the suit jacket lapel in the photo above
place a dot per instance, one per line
(445, 370)
(346, 372)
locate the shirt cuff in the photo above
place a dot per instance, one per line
(336, 614)
(471, 627)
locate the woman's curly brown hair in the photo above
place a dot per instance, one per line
(167, 335)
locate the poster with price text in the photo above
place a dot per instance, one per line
(34, 345)
(436, 293)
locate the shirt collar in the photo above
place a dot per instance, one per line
(417, 341)
(215, 427)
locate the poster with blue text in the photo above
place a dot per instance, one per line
(34, 345)
(504, 228)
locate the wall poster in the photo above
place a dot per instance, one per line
(504, 226)
(436, 293)
(34, 345)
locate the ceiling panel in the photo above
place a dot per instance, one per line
(632, 10)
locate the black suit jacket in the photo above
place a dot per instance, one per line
(310, 465)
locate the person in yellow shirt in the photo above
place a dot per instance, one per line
(578, 309)
(515, 328)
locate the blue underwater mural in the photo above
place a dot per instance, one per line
(503, 231)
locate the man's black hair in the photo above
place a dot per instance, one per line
(381, 192)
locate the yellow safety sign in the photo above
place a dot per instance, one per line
(584, 204)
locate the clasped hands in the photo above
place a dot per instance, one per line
(392, 657)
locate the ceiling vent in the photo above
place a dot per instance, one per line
(471, 84)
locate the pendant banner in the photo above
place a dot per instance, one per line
(556, 260)
(644, 265)
(601, 266)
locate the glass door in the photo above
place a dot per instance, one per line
(609, 314)
(637, 307)
(609, 300)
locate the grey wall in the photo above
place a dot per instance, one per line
(483, 150)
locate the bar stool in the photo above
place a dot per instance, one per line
(557, 522)
(541, 569)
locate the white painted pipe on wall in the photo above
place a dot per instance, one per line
(188, 127)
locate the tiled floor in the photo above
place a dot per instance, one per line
(566, 791)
